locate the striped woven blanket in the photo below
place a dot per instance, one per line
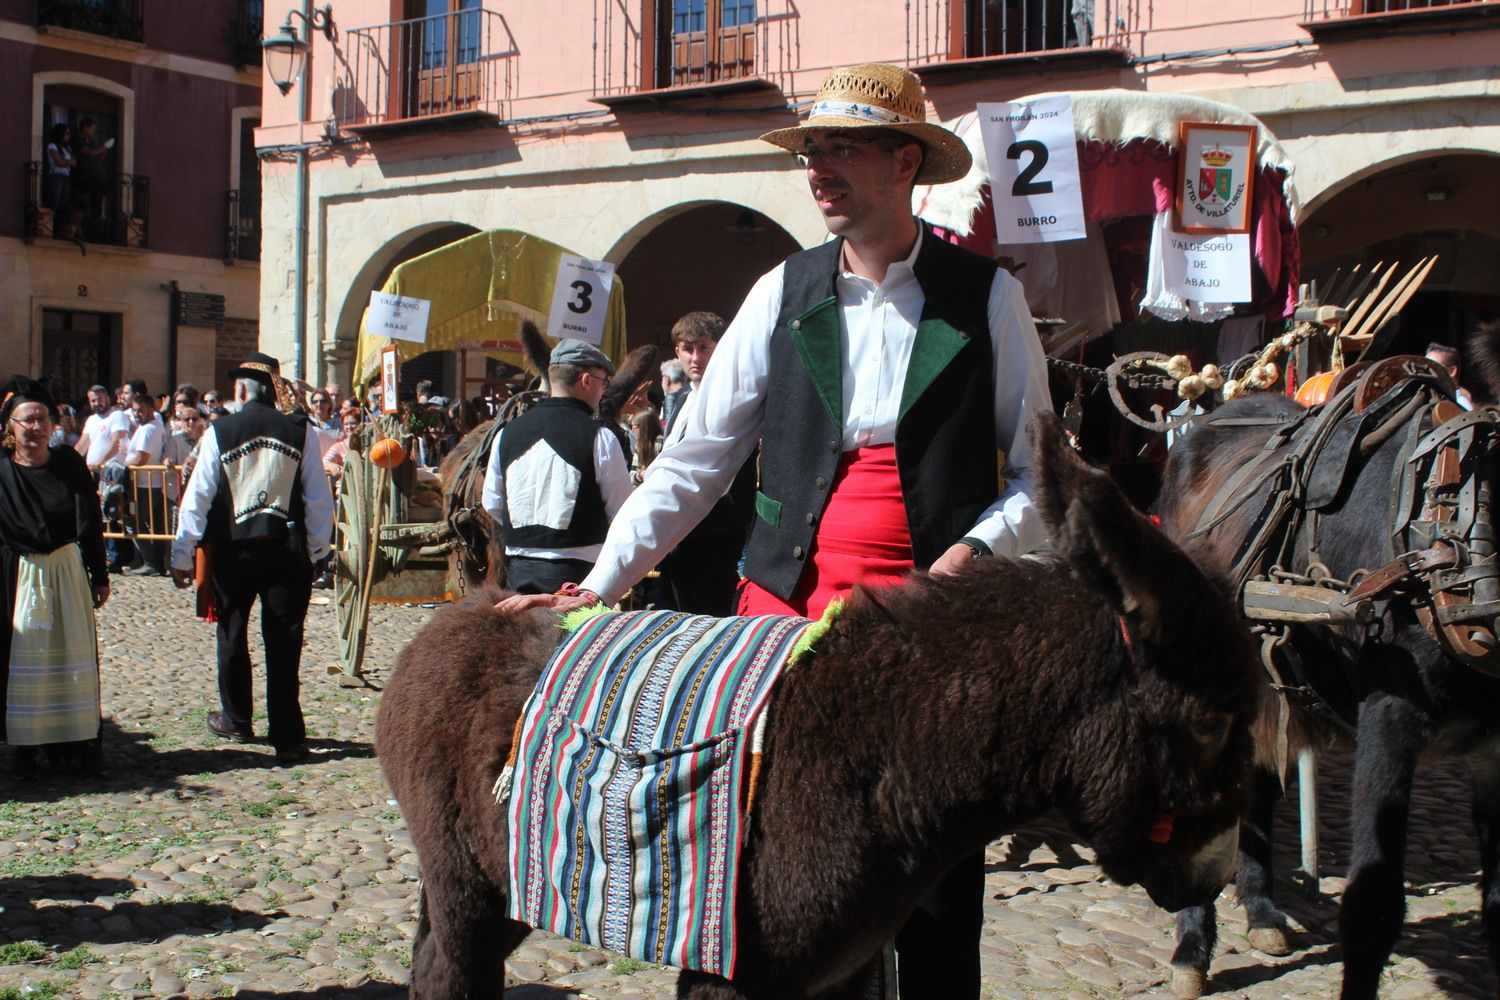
(625, 808)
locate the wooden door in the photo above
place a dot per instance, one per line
(711, 40)
(443, 48)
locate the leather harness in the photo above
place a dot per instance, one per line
(1444, 556)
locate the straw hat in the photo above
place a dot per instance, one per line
(878, 95)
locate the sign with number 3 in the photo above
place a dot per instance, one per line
(1033, 159)
(580, 299)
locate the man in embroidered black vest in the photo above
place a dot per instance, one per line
(258, 499)
(557, 476)
(883, 372)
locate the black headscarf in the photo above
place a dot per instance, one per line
(21, 389)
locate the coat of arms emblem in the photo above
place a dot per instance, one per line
(1215, 177)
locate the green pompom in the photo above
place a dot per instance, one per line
(817, 630)
(571, 621)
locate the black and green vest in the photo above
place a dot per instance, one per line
(945, 434)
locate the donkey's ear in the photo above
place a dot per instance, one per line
(1105, 540)
(538, 354)
(1482, 351)
(634, 372)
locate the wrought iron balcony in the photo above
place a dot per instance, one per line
(453, 66)
(245, 31)
(952, 30)
(1323, 10)
(114, 212)
(112, 18)
(1336, 20)
(689, 47)
(242, 225)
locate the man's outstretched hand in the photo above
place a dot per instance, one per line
(559, 603)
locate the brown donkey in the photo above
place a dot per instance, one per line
(1111, 681)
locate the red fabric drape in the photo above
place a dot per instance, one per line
(862, 538)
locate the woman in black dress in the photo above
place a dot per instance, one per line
(52, 577)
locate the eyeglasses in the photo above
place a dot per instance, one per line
(839, 147)
(38, 421)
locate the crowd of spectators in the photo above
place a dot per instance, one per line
(141, 448)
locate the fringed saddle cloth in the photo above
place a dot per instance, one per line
(626, 813)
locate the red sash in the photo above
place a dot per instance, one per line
(863, 538)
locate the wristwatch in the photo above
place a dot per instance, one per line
(976, 546)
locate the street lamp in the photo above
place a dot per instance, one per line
(285, 50)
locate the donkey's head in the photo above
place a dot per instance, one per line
(1158, 767)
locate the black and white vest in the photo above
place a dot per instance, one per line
(552, 497)
(260, 484)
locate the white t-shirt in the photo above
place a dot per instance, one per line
(147, 440)
(99, 428)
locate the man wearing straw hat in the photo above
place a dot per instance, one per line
(884, 372)
(260, 497)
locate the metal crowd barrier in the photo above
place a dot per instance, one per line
(147, 507)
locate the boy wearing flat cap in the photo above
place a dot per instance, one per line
(557, 476)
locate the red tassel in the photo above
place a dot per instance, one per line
(1161, 827)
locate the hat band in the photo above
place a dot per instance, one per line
(259, 367)
(869, 112)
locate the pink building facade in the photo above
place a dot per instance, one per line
(627, 132)
(145, 263)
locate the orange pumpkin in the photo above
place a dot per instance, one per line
(1314, 392)
(387, 453)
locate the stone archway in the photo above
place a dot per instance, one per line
(338, 356)
(703, 255)
(1406, 209)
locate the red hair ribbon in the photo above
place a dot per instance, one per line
(1161, 827)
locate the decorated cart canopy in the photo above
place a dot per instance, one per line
(476, 293)
(1131, 175)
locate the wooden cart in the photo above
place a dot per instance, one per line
(394, 539)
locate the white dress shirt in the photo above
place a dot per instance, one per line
(611, 472)
(203, 486)
(880, 327)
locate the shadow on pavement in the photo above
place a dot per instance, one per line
(365, 991)
(65, 928)
(133, 764)
(379, 991)
(1233, 981)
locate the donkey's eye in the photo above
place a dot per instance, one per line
(1211, 733)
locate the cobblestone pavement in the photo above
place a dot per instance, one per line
(198, 868)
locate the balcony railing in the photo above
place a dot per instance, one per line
(242, 225)
(753, 43)
(244, 36)
(1329, 10)
(944, 30)
(113, 18)
(114, 212)
(456, 64)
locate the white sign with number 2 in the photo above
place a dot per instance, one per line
(1034, 183)
(580, 299)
